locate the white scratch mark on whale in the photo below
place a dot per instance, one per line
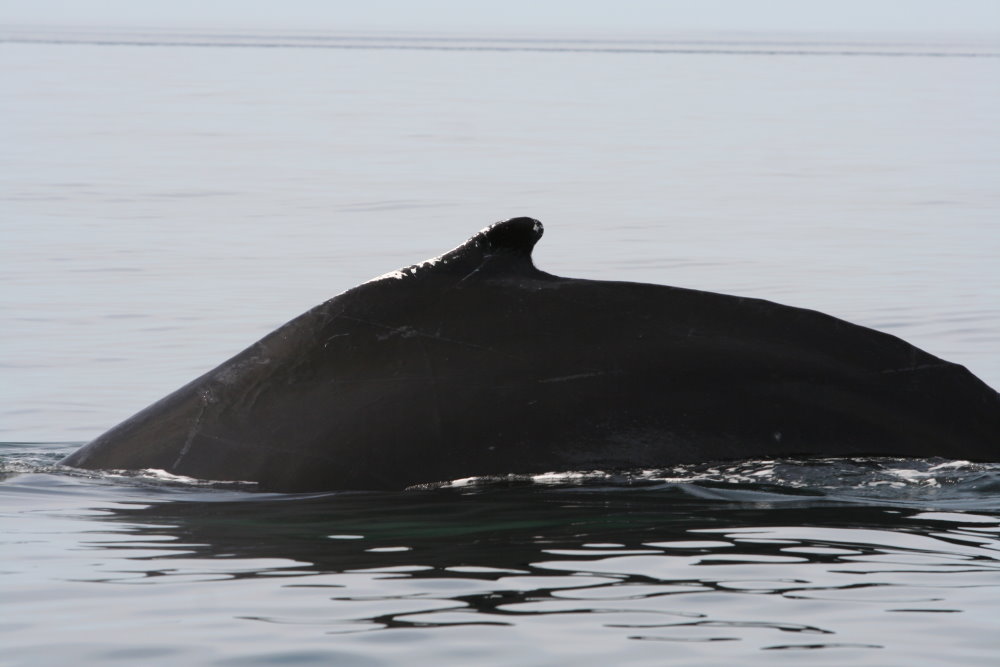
(915, 368)
(205, 399)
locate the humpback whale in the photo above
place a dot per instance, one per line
(477, 363)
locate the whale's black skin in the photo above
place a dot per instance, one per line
(477, 363)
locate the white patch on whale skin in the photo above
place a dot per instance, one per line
(231, 374)
(410, 271)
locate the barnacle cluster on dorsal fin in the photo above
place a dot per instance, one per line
(509, 241)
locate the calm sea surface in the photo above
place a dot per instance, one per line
(170, 197)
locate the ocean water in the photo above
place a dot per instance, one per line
(168, 197)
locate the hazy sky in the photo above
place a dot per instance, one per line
(525, 16)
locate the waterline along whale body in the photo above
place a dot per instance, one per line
(477, 363)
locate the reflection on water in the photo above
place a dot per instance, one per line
(827, 557)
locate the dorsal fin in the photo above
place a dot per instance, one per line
(503, 246)
(515, 235)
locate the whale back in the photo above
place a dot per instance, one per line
(478, 363)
